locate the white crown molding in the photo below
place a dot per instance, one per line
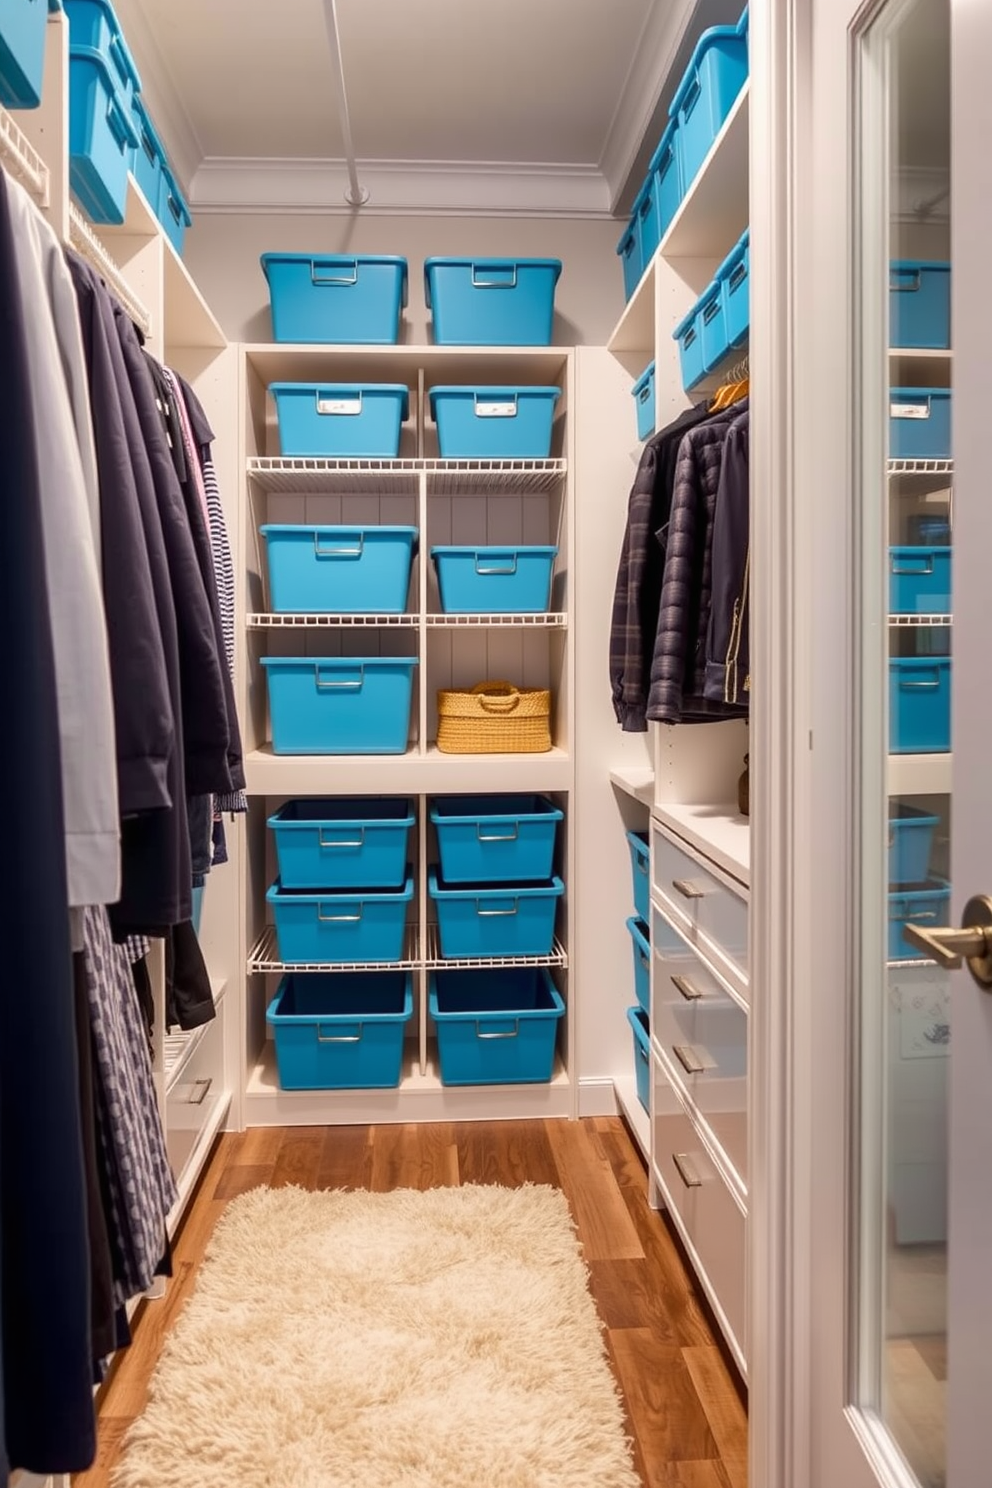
(923, 194)
(160, 92)
(263, 185)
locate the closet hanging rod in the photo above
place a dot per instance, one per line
(356, 195)
(88, 245)
(22, 159)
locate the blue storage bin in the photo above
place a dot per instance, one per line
(340, 420)
(734, 275)
(495, 1027)
(640, 868)
(197, 915)
(341, 1030)
(494, 423)
(22, 52)
(689, 335)
(920, 581)
(173, 211)
(716, 74)
(645, 211)
(638, 1020)
(920, 424)
(149, 153)
(641, 947)
(491, 301)
(629, 253)
(477, 920)
(101, 136)
(357, 925)
(919, 704)
(355, 842)
(94, 24)
(496, 839)
(910, 844)
(666, 174)
(494, 581)
(919, 304)
(336, 570)
(340, 704)
(930, 532)
(744, 28)
(335, 299)
(925, 904)
(643, 394)
(713, 326)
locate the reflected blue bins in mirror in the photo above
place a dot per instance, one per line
(629, 253)
(342, 421)
(925, 904)
(920, 581)
(343, 928)
(910, 844)
(22, 52)
(643, 394)
(494, 581)
(495, 1027)
(920, 424)
(339, 704)
(641, 947)
(339, 570)
(495, 839)
(491, 301)
(173, 208)
(351, 842)
(476, 920)
(640, 867)
(638, 1020)
(930, 532)
(341, 1030)
(336, 299)
(716, 74)
(920, 304)
(689, 335)
(734, 276)
(494, 423)
(149, 153)
(919, 704)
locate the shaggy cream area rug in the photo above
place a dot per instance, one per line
(444, 1339)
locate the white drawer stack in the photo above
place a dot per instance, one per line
(699, 1061)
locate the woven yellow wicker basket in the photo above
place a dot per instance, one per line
(494, 718)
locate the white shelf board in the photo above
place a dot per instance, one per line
(634, 330)
(715, 210)
(417, 1098)
(412, 773)
(920, 366)
(292, 362)
(719, 832)
(625, 1089)
(636, 781)
(920, 774)
(902, 622)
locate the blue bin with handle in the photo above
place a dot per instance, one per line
(919, 704)
(480, 920)
(494, 581)
(336, 299)
(173, 209)
(910, 844)
(496, 839)
(343, 927)
(102, 137)
(925, 904)
(643, 394)
(352, 842)
(640, 868)
(920, 424)
(338, 570)
(341, 1030)
(734, 275)
(919, 304)
(713, 326)
(494, 423)
(638, 1020)
(491, 301)
(640, 937)
(715, 76)
(340, 421)
(495, 1027)
(22, 52)
(665, 174)
(340, 704)
(149, 155)
(629, 253)
(689, 335)
(920, 580)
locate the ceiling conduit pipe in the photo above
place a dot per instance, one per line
(356, 195)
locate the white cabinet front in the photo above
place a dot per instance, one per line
(712, 914)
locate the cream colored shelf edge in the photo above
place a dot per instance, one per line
(636, 781)
(920, 774)
(272, 774)
(719, 832)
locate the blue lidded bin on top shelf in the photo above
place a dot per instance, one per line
(640, 867)
(173, 210)
(494, 423)
(491, 301)
(715, 76)
(919, 304)
(341, 1030)
(920, 424)
(629, 253)
(149, 153)
(689, 335)
(643, 394)
(496, 839)
(103, 81)
(336, 299)
(641, 946)
(638, 1020)
(665, 175)
(734, 275)
(22, 53)
(350, 843)
(496, 1027)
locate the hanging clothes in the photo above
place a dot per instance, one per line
(728, 657)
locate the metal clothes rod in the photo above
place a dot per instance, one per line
(88, 245)
(22, 160)
(356, 195)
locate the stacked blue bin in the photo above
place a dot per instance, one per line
(719, 321)
(496, 896)
(915, 894)
(103, 82)
(22, 52)
(638, 926)
(341, 899)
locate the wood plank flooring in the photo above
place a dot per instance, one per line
(683, 1401)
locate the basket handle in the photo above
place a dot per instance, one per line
(497, 697)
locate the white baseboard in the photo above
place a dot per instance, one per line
(597, 1097)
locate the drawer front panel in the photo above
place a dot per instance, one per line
(703, 1034)
(193, 1098)
(699, 903)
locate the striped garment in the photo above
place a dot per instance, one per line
(220, 547)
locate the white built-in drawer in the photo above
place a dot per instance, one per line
(705, 1211)
(193, 1093)
(702, 1031)
(701, 901)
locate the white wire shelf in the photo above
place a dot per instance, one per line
(87, 243)
(22, 159)
(286, 621)
(482, 477)
(445, 477)
(542, 621)
(264, 958)
(902, 622)
(921, 467)
(436, 962)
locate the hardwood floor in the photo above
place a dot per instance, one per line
(684, 1410)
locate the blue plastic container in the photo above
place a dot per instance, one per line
(339, 570)
(341, 1030)
(665, 173)
(340, 420)
(920, 424)
(645, 213)
(744, 28)
(689, 335)
(496, 839)
(102, 138)
(638, 1020)
(925, 904)
(494, 423)
(643, 394)
(478, 920)
(920, 581)
(716, 74)
(335, 299)
(734, 275)
(494, 581)
(173, 209)
(492, 301)
(919, 704)
(357, 925)
(94, 24)
(340, 704)
(149, 153)
(629, 253)
(496, 1027)
(640, 868)
(641, 946)
(919, 304)
(910, 844)
(197, 915)
(354, 842)
(713, 326)
(22, 52)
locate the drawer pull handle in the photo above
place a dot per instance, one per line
(198, 1092)
(688, 889)
(686, 1171)
(688, 1059)
(688, 989)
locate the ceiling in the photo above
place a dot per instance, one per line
(518, 105)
